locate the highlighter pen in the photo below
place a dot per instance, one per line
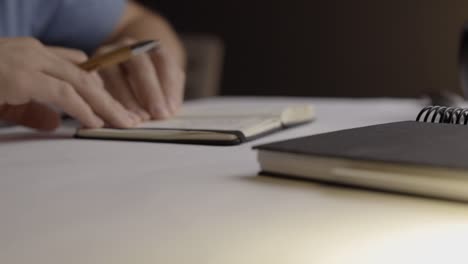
(119, 55)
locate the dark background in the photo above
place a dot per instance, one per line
(329, 48)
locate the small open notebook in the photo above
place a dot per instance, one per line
(211, 124)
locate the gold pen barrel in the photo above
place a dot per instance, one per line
(111, 58)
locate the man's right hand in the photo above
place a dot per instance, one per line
(34, 76)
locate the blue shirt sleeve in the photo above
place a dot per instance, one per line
(82, 24)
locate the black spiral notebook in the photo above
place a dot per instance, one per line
(427, 157)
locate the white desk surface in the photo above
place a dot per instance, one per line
(64, 200)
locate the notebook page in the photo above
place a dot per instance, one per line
(226, 110)
(227, 123)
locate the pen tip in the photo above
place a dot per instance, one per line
(144, 46)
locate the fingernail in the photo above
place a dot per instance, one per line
(174, 106)
(134, 118)
(127, 120)
(137, 116)
(160, 112)
(98, 122)
(145, 116)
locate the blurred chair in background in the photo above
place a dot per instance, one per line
(204, 67)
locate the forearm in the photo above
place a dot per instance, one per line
(143, 24)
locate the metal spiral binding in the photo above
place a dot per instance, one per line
(443, 114)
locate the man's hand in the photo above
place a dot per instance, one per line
(151, 85)
(33, 76)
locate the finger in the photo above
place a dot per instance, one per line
(116, 45)
(64, 96)
(129, 97)
(172, 77)
(72, 55)
(109, 48)
(145, 84)
(120, 89)
(118, 86)
(90, 87)
(33, 115)
(105, 105)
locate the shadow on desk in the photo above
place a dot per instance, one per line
(357, 194)
(21, 137)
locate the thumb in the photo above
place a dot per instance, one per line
(33, 115)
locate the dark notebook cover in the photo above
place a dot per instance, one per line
(240, 138)
(409, 142)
